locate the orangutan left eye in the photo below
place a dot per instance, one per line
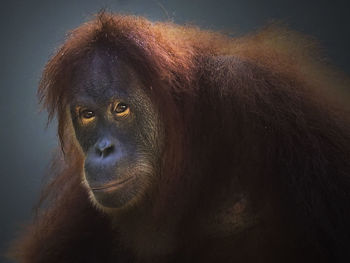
(121, 109)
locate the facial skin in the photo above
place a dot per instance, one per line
(117, 128)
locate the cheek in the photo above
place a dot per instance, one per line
(149, 135)
(85, 138)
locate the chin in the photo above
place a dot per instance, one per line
(116, 195)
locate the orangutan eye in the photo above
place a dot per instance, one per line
(87, 114)
(121, 109)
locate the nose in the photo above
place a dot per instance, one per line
(102, 160)
(104, 148)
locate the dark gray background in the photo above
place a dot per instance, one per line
(31, 30)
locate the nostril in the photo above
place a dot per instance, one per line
(107, 151)
(104, 148)
(98, 152)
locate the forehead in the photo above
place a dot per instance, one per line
(102, 76)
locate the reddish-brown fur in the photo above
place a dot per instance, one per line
(258, 114)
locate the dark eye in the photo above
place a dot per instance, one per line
(121, 109)
(87, 114)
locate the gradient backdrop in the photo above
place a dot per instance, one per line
(32, 29)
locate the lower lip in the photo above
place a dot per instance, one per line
(112, 187)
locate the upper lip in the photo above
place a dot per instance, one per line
(111, 184)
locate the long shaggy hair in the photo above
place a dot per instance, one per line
(262, 108)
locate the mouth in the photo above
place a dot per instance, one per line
(109, 187)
